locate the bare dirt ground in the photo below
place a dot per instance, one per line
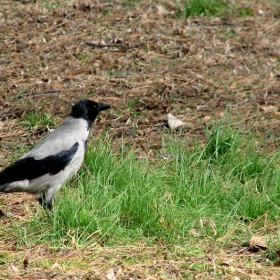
(146, 61)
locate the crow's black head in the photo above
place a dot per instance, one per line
(88, 110)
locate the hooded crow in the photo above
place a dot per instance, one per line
(56, 159)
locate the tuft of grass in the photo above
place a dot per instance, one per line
(222, 143)
(52, 4)
(244, 12)
(85, 55)
(214, 192)
(37, 118)
(204, 7)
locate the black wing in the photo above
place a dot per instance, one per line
(29, 168)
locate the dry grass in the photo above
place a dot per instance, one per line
(152, 63)
(138, 262)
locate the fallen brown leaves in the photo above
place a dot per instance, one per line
(257, 243)
(135, 262)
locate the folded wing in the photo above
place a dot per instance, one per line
(29, 168)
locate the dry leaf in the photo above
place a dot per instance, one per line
(257, 243)
(56, 265)
(174, 122)
(111, 275)
(97, 43)
(195, 232)
(269, 109)
(15, 270)
(162, 11)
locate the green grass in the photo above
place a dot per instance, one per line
(85, 55)
(37, 118)
(204, 7)
(207, 192)
(51, 4)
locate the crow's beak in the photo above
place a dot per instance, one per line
(103, 106)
